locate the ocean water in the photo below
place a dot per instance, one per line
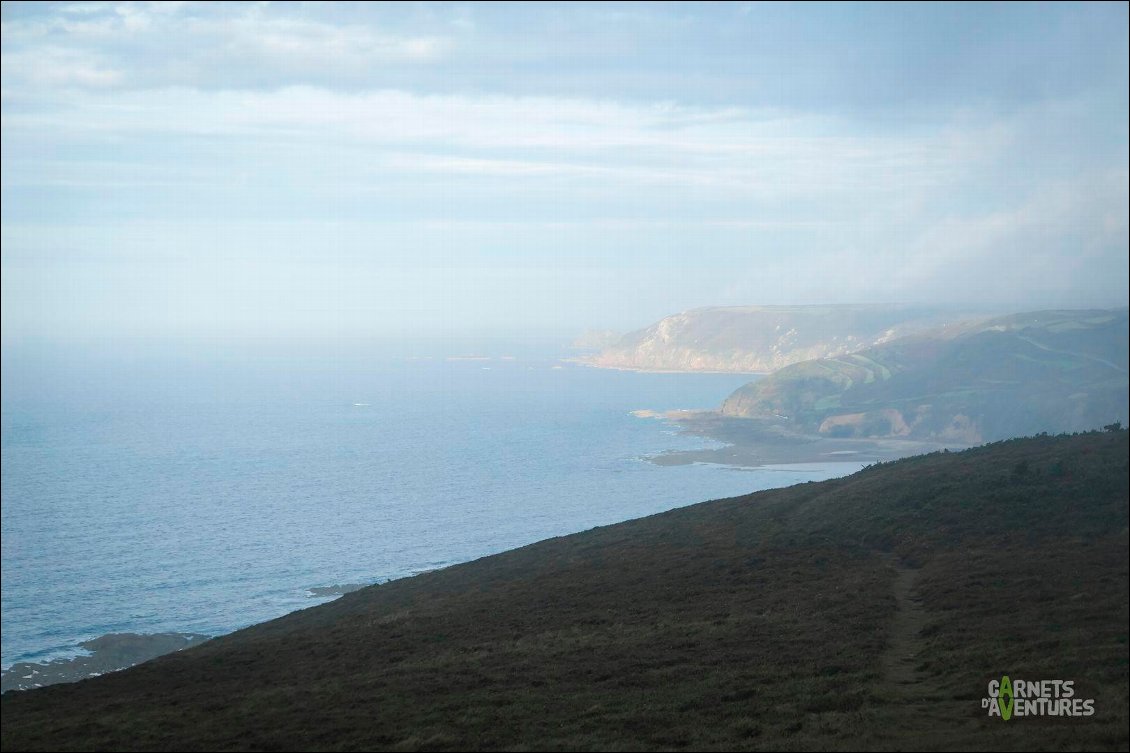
(204, 488)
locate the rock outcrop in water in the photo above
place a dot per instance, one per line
(108, 653)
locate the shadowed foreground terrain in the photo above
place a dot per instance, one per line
(868, 611)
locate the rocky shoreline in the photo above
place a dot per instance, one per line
(750, 443)
(108, 653)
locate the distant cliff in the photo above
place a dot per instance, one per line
(761, 339)
(971, 382)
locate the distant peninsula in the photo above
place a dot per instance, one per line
(760, 339)
(972, 382)
(899, 384)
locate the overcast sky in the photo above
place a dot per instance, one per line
(283, 170)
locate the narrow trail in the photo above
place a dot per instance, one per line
(905, 652)
(1096, 359)
(913, 695)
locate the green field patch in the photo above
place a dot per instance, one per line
(827, 403)
(1053, 360)
(876, 367)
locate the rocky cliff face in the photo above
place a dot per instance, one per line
(761, 339)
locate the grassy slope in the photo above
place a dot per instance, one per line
(762, 622)
(1013, 375)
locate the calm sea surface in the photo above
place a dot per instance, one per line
(202, 489)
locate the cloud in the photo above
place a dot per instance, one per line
(604, 143)
(287, 46)
(1060, 238)
(680, 150)
(154, 45)
(58, 67)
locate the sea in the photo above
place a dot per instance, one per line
(200, 487)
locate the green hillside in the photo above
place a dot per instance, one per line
(977, 381)
(869, 611)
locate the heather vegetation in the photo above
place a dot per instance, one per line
(868, 611)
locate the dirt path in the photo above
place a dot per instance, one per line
(914, 695)
(1096, 359)
(904, 654)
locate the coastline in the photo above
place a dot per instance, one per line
(771, 594)
(742, 449)
(747, 443)
(108, 653)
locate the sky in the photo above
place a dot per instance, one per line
(277, 170)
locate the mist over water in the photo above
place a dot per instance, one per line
(205, 487)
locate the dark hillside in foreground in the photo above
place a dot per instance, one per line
(863, 612)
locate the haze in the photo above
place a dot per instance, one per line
(322, 171)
